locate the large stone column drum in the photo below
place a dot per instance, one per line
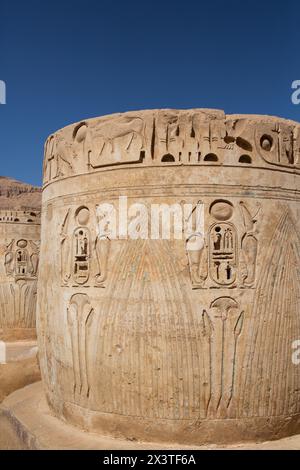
(145, 338)
(19, 253)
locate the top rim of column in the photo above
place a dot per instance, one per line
(130, 139)
(214, 113)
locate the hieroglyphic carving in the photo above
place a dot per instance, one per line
(167, 130)
(129, 128)
(102, 250)
(212, 140)
(81, 255)
(277, 143)
(227, 248)
(196, 247)
(9, 259)
(222, 326)
(23, 294)
(34, 257)
(197, 261)
(83, 258)
(171, 136)
(81, 249)
(110, 142)
(296, 146)
(223, 253)
(79, 316)
(65, 250)
(249, 245)
(158, 359)
(239, 132)
(21, 259)
(58, 157)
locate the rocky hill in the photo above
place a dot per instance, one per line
(15, 195)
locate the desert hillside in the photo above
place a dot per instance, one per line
(16, 195)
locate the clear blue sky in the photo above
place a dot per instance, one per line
(63, 61)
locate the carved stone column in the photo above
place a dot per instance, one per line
(149, 338)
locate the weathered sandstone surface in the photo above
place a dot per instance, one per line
(146, 338)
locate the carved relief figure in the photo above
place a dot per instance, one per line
(79, 315)
(110, 142)
(222, 326)
(58, 158)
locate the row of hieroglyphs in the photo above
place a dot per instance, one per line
(226, 255)
(180, 137)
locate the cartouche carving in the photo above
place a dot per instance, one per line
(223, 253)
(227, 248)
(81, 255)
(21, 259)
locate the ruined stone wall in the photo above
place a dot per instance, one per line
(144, 338)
